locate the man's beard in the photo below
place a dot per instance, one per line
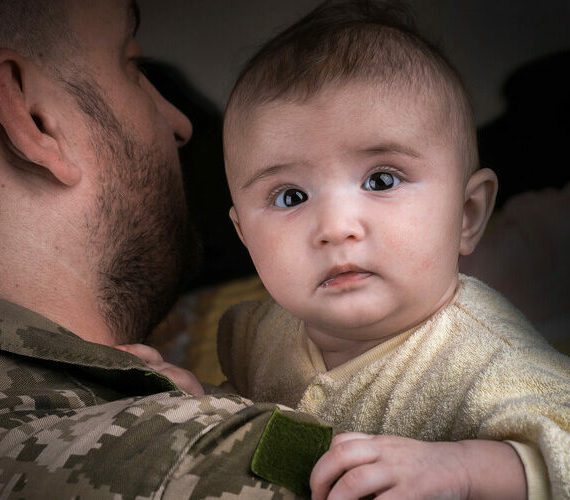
(139, 237)
(143, 225)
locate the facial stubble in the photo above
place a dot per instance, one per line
(139, 239)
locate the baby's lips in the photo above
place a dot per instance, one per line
(345, 277)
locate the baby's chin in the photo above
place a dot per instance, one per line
(355, 326)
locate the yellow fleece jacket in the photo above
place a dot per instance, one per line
(476, 369)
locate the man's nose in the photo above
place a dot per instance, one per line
(338, 223)
(178, 121)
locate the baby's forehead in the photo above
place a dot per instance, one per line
(365, 104)
(351, 118)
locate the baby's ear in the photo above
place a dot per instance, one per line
(235, 219)
(480, 194)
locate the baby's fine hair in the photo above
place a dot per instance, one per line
(365, 41)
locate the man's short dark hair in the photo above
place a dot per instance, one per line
(37, 29)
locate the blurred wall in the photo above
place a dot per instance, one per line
(486, 39)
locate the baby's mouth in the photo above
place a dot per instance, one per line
(344, 275)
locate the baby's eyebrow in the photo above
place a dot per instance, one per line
(266, 172)
(392, 148)
(385, 148)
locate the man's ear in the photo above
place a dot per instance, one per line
(480, 194)
(235, 219)
(30, 131)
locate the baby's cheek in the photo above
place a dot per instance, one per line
(426, 265)
(273, 265)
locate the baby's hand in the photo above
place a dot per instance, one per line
(358, 465)
(181, 377)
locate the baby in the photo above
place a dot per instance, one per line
(351, 157)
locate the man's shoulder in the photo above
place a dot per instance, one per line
(107, 429)
(137, 447)
(47, 369)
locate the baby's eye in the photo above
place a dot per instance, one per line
(290, 197)
(380, 181)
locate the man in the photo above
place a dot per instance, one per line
(93, 241)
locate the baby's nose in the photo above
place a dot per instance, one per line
(337, 226)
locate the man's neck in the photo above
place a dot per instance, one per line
(57, 295)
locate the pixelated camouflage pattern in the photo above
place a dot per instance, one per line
(84, 421)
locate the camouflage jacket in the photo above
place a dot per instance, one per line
(82, 420)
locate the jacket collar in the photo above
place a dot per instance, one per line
(26, 333)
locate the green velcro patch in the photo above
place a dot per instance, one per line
(288, 450)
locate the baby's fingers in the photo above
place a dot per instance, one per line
(184, 379)
(349, 436)
(362, 481)
(146, 353)
(347, 452)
